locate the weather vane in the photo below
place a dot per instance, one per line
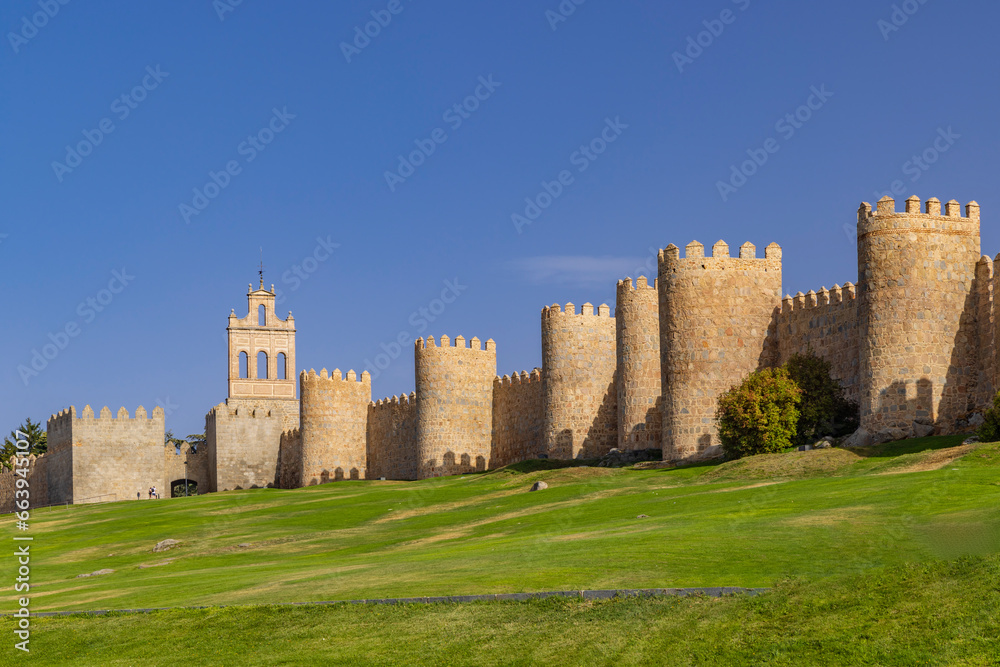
(261, 271)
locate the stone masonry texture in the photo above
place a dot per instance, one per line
(914, 340)
(578, 381)
(716, 317)
(334, 426)
(454, 405)
(917, 306)
(637, 317)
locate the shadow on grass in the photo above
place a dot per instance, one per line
(890, 450)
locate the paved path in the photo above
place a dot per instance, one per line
(452, 599)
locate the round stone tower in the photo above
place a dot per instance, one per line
(639, 395)
(455, 406)
(716, 317)
(334, 417)
(917, 316)
(578, 381)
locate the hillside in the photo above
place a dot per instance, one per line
(745, 523)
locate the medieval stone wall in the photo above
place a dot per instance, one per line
(639, 383)
(334, 420)
(580, 399)
(59, 456)
(36, 475)
(104, 458)
(243, 444)
(518, 419)
(455, 405)
(392, 438)
(290, 459)
(716, 327)
(917, 314)
(985, 333)
(189, 463)
(826, 324)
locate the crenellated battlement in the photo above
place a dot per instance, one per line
(403, 400)
(517, 379)
(336, 376)
(241, 412)
(625, 286)
(695, 258)
(586, 310)
(458, 343)
(65, 418)
(837, 295)
(884, 217)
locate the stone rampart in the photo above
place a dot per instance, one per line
(243, 444)
(392, 438)
(334, 426)
(639, 383)
(917, 314)
(717, 317)
(518, 418)
(580, 400)
(455, 405)
(824, 323)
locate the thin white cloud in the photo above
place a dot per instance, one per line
(578, 270)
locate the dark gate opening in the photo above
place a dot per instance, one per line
(177, 488)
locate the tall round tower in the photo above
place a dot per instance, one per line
(716, 317)
(334, 417)
(639, 395)
(917, 316)
(578, 381)
(455, 406)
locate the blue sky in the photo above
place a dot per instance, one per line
(201, 78)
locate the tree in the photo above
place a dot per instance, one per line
(989, 431)
(197, 440)
(824, 409)
(760, 415)
(36, 436)
(169, 439)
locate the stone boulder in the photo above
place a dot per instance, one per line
(539, 486)
(922, 430)
(165, 545)
(860, 438)
(95, 574)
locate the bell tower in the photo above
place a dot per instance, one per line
(261, 350)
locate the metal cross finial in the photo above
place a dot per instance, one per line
(261, 271)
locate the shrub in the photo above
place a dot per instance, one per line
(759, 416)
(989, 431)
(824, 409)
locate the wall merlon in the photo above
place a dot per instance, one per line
(642, 283)
(720, 249)
(886, 207)
(694, 249)
(748, 251)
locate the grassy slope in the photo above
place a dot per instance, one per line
(931, 614)
(707, 525)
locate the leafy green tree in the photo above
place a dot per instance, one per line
(759, 416)
(170, 439)
(197, 440)
(989, 431)
(37, 437)
(824, 409)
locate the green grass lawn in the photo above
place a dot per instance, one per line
(932, 614)
(820, 525)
